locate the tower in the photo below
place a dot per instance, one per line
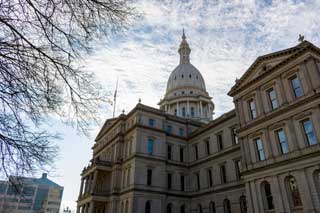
(186, 94)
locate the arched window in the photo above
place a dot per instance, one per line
(127, 207)
(293, 190)
(226, 206)
(182, 209)
(316, 178)
(267, 196)
(148, 207)
(212, 207)
(243, 204)
(192, 112)
(183, 112)
(169, 208)
(199, 208)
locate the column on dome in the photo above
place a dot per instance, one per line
(188, 109)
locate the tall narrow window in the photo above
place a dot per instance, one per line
(183, 112)
(182, 209)
(252, 109)
(169, 152)
(234, 136)
(294, 191)
(223, 175)
(151, 122)
(150, 146)
(268, 198)
(195, 147)
(282, 141)
(220, 142)
(169, 208)
(260, 150)
(149, 177)
(181, 132)
(207, 146)
(237, 164)
(295, 84)
(181, 154)
(212, 207)
(198, 181)
(243, 204)
(169, 180)
(199, 208)
(273, 98)
(226, 206)
(148, 207)
(169, 129)
(192, 112)
(182, 182)
(175, 112)
(210, 182)
(308, 132)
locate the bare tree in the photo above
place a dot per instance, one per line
(40, 40)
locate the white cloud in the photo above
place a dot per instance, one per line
(225, 38)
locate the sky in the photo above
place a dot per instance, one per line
(225, 38)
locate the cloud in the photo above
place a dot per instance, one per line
(225, 37)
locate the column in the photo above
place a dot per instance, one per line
(177, 108)
(260, 103)
(81, 188)
(276, 193)
(188, 109)
(249, 198)
(86, 185)
(304, 190)
(91, 206)
(281, 94)
(201, 112)
(95, 176)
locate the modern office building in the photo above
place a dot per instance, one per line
(262, 156)
(30, 195)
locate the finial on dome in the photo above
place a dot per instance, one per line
(183, 35)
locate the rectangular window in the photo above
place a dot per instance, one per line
(169, 129)
(295, 84)
(198, 181)
(237, 165)
(282, 141)
(223, 174)
(181, 154)
(234, 136)
(273, 98)
(151, 122)
(195, 147)
(260, 150)
(181, 131)
(210, 182)
(182, 182)
(169, 149)
(308, 132)
(149, 177)
(150, 146)
(252, 109)
(207, 147)
(220, 142)
(169, 181)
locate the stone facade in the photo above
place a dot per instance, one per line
(263, 156)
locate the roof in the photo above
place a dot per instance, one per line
(292, 52)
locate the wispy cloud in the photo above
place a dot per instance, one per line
(225, 38)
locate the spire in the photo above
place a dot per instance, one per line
(184, 50)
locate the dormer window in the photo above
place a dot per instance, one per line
(196, 77)
(190, 76)
(175, 77)
(182, 76)
(182, 92)
(191, 92)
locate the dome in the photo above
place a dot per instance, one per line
(185, 76)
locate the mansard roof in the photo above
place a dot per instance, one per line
(281, 57)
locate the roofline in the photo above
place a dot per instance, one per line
(299, 49)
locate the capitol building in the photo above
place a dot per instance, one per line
(262, 156)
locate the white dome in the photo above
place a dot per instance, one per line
(185, 76)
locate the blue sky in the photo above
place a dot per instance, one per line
(225, 38)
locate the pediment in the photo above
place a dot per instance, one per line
(265, 63)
